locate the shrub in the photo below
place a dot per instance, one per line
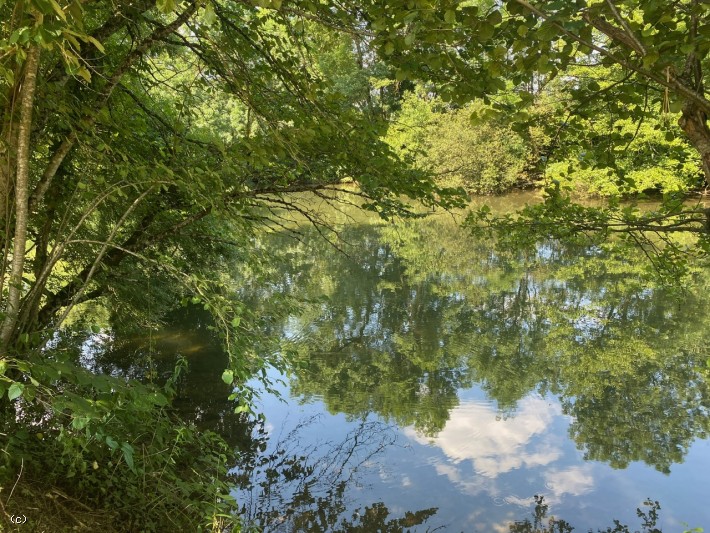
(655, 159)
(483, 158)
(112, 445)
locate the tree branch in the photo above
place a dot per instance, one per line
(672, 82)
(88, 120)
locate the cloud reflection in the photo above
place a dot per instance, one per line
(495, 446)
(575, 480)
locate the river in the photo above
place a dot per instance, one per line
(441, 383)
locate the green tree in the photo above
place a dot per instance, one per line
(141, 146)
(655, 54)
(119, 149)
(483, 159)
(471, 48)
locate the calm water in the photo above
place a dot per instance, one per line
(442, 383)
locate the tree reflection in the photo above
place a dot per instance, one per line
(294, 486)
(417, 311)
(304, 487)
(202, 396)
(542, 523)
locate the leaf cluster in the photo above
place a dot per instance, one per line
(113, 445)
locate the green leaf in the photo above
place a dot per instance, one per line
(228, 376)
(650, 58)
(543, 61)
(158, 399)
(111, 443)
(236, 321)
(379, 24)
(494, 18)
(80, 422)
(547, 31)
(15, 36)
(499, 52)
(687, 48)
(208, 16)
(76, 11)
(58, 10)
(15, 391)
(514, 8)
(96, 43)
(401, 74)
(84, 73)
(127, 450)
(166, 6)
(30, 393)
(450, 16)
(485, 31)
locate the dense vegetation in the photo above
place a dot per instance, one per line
(142, 145)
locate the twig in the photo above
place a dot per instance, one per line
(22, 466)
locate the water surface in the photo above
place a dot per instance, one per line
(442, 383)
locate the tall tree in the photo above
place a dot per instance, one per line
(117, 150)
(471, 48)
(657, 52)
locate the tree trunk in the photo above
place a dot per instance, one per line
(693, 122)
(27, 94)
(8, 149)
(7, 163)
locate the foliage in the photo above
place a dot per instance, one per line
(474, 49)
(142, 146)
(654, 160)
(487, 158)
(114, 446)
(608, 153)
(483, 159)
(139, 173)
(673, 239)
(616, 68)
